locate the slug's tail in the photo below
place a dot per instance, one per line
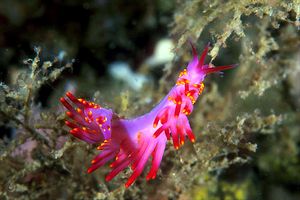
(88, 121)
(91, 123)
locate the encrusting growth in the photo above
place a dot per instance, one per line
(132, 141)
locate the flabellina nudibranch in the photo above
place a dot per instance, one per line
(130, 142)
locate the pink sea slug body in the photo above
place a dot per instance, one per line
(131, 142)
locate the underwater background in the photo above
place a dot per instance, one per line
(126, 55)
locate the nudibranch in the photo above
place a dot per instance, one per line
(130, 142)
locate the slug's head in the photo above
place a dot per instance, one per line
(197, 70)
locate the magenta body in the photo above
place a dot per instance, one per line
(131, 142)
